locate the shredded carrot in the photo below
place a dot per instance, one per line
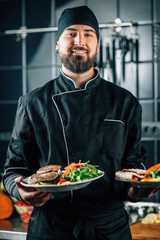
(71, 167)
(153, 168)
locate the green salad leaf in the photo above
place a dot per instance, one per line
(85, 172)
(155, 174)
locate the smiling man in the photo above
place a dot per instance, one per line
(78, 44)
(78, 48)
(77, 116)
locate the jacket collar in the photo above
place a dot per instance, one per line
(69, 84)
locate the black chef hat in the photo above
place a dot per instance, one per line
(77, 15)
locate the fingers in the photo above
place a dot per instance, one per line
(18, 180)
(156, 190)
(134, 193)
(30, 196)
(38, 199)
(137, 193)
(153, 192)
(149, 192)
(35, 198)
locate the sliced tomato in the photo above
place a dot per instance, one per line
(61, 181)
(66, 182)
(26, 216)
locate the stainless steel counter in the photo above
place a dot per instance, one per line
(13, 228)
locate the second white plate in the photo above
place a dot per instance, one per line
(141, 184)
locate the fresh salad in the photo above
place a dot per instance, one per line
(77, 172)
(152, 174)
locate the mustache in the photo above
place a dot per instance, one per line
(78, 48)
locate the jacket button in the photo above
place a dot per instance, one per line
(102, 150)
(71, 154)
(58, 98)
(65, 122)
(101, 119)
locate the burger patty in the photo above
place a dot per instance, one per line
(43, 177)
(49, 168)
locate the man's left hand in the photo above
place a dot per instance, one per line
(137, 193)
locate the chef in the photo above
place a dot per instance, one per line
(77, 116)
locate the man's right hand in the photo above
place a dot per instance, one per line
(30, 196)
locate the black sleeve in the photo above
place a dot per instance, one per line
(22, 151)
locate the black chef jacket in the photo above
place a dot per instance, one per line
(60, 124)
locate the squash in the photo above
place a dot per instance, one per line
(6, 206)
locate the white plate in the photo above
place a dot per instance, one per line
(141, 184)
(61, 188)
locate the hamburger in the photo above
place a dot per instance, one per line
(152, 174)
(46, 175)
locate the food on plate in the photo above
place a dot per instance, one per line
(49, 168)
(63, 182)
(77, 172)
(46, 175)
(43, 177)
(130, 174)
(152, 174)
(134, 170)
(151, 218)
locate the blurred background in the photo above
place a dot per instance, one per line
(129, 57)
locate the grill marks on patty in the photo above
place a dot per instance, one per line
(44, 177)
(45, 174)
(49, 168)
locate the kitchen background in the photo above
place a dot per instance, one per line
(129, 57)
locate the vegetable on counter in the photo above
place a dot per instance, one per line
(1, 182)
(22, 207)
(26, 216)
(6, 206)
(21, 204)
(151, 218)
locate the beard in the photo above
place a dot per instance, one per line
(77, 64)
